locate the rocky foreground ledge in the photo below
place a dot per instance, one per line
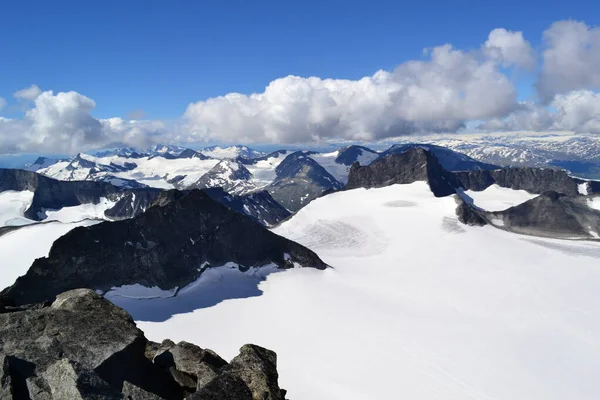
(81, 346)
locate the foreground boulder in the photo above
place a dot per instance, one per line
(81, 346)
(168, 247)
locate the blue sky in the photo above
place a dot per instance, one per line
(158, 56)
(146, 72)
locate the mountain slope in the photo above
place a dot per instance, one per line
(414, 164)
(300, 179)
(167, 246)
(449, 159)
(230, 175)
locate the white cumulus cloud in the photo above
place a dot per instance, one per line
(571, 59)
(28, 94)
(509, 48)
(439, 94)
(2, 103)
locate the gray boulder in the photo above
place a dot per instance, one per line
(81, 346)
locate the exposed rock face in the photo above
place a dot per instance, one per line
(468, 214)
(189, 153)
(351, 154)
(83, 347)
(412, 165)
(259, 206)
(299, 180)
(229, 175)
(533, 180)
(167, 246)
(551, 214)
(53, 194)
(449, 159)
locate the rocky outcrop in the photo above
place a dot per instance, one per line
(54, 194)
(449, 159)
(551, 214)
(532, 180)
(299, 180)
(468, 214)
(167, 246)
(259, 206)
(81, 346)
(415, 164)
(351, 154)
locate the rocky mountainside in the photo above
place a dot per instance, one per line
(232, 176)
(54, 194)
(449, 159)
(533, 180)
(550, 214)
(81, 346)
(351, 154)
(412, 165)
(300, 179)
(167, 246)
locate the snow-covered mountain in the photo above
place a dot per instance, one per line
(231, 152)
(230, 175)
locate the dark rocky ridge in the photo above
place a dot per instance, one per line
(53, 194)
(532, 180)
(299, 180)
(449, 159)
(348, 155)
(551, 214)
(168, 246)
(81, 346)
(415, 164)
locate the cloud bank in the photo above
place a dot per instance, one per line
(442, 92)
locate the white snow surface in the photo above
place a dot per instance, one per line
(594, 203)
(582, 188)
(18, 249)
(263, 171)
(12, 206)
(341, 171)
(497, 198)
(416, 306)
(152, 171)
(138, 291)
(80, 212)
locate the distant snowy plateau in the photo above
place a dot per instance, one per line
(436, 267)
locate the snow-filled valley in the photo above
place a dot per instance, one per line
(416, 305)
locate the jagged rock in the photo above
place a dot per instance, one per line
(84, 347)
(257, 367)
(551, 214)
(82, 343)
(299, 180)
(165, 247)
(532, 180)
(224, 387)
(259, 206)
(449, 159)
(412, 165)
(66, 379)
(191, 366)
(467, 214)
(349, 155)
